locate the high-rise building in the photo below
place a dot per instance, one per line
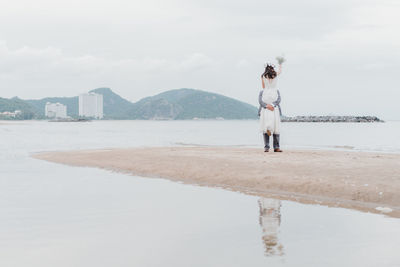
(91, 105)
(55, 110)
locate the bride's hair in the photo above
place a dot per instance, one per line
(269, 72)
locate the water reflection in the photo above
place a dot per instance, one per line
(270, 220)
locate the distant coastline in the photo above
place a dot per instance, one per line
(178, 104)
(305, 119)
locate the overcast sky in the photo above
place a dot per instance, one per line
(343, 56)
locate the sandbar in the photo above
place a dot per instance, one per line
(358, 180)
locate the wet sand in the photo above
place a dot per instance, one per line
(358, 180)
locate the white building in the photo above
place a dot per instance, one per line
(55, 110)
(91, 105)
(10, 114)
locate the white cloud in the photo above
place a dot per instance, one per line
(334, 49)
(53, 71)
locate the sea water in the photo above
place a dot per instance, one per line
(57, 215)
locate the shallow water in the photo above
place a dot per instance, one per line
(41, 135)
(56, 215)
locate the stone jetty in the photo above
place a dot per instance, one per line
(332, 119)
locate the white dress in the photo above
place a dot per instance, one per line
(270, 120)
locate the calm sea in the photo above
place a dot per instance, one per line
(57, 215)
(32, 136)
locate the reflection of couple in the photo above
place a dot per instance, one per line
(270, 220)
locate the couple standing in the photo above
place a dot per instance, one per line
(270, 110)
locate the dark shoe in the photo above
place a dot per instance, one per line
(277, 150)
(266, 149)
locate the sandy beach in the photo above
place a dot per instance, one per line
(357, 180)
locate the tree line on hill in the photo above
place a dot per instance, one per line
(179, 104)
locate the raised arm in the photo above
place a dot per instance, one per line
(279, 70)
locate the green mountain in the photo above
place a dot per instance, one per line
(72, 104)
(179, 104)
(186, 104)
(27, 111)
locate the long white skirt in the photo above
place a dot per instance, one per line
(270, 120)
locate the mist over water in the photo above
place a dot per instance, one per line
(57, 215)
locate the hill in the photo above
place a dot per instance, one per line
(27, 111)
(186, 104)
(179, 104)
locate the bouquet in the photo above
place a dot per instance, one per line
(280, 60)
